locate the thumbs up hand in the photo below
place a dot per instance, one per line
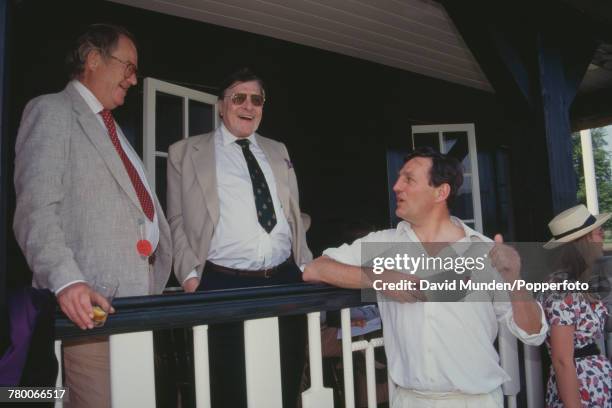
(505, 259)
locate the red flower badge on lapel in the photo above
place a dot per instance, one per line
(144, 247)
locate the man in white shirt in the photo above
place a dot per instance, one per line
(84, 207)
(440, 354)
(233, 207)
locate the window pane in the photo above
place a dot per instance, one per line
(426, 139)
(463, 206)
(601, 142)
(168, 121)
(456, 145)
(160, 180)
(201, 118)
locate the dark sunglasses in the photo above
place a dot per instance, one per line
(240, 98)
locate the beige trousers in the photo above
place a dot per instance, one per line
(403, 398)
(87, 372)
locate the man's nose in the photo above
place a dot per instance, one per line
(396, 187)
(132, 79)
(248, 104)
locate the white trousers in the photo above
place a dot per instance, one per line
(403, 398)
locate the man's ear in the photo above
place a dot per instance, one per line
(220, 107)
(443, 191)
(94, 58)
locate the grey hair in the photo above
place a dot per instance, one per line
(101, 37)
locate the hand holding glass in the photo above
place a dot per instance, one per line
(106, 287)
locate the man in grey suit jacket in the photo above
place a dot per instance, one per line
(233, 207)
(83, 201)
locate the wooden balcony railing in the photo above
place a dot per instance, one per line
(132, 358)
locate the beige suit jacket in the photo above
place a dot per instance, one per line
(193, 199)
(77, 214)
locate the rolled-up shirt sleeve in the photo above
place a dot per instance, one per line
(350, 254)
(346, 254)
(504, 309)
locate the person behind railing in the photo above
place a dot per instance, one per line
(84, 207)
(580, 376)
(439, 354)
(233, 207)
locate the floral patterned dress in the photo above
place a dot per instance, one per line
(594, 372)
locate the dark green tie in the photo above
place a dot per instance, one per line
(263, 199)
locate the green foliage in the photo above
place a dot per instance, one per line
(603, 168)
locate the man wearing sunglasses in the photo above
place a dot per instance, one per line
(233, 207)
(84, 207)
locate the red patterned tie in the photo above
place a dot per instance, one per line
(143, 195)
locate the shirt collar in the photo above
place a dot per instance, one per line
(91, 100)
(470, 234)
(228, 138)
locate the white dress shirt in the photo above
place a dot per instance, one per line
(239, 241)
(441, 347)
(150, 228)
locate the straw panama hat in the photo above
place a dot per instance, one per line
(573, 223)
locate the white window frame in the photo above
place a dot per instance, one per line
(151, 87)
(469, 129)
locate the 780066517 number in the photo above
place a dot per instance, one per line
(31, 394)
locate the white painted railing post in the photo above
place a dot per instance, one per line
(132, 370)
(533, 377)
(369, 346)
(347, 358)
(371, 371)
(508, 356)
(370, 376)
(590, 178)
(348, 347)
(60, 366)
(201, 367)
(316, 396)
(262, 355)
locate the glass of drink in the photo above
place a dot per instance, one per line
(106, 286)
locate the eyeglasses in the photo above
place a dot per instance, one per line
(130, 69)
(240, 98)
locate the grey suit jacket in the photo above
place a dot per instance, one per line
(193, 199)
(77, 212)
